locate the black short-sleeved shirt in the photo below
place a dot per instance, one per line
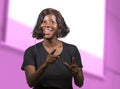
(56, 75)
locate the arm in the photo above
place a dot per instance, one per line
(76, 72)
(79, 78)
(32, 75)
(77, 69)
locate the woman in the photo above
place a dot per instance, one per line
(51, 63)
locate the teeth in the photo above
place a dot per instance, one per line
(47, 30)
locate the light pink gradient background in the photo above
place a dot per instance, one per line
(11, 58)
(18, 32)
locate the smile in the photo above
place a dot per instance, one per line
(47, 30)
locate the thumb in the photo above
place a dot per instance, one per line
(73, 60)
(67, 65)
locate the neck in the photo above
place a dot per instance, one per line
(51, 43)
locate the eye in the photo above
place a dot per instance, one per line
(53, 22)
(44, 22)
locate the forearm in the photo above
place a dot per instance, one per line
(36, 75)
(33, 78)
(79, 78)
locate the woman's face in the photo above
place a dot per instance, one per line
(49, 26)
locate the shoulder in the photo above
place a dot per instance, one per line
(69, 46)
(33, 47)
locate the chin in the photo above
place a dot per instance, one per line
(48, 38)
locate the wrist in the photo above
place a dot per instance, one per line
(45, 64)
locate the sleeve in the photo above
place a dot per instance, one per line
(77, 56)
(28, 59)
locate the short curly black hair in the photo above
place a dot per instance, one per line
(63, 29)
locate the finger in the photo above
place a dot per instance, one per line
(54, 60)
(74, 66)
(67, 65)
(55, 56)
(73, 60)
(53, 51)
(75, 71)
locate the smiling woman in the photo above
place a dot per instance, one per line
(49, 68)
(85, 18)
(88, 20)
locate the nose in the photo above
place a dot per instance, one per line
(47, 24)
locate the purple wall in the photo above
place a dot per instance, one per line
(10, 59)
(3, 14)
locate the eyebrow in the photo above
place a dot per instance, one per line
(50, 19)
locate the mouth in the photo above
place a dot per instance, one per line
(48, 31)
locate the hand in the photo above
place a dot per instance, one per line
(51, 58)
(73, 67)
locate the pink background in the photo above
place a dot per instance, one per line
(11, 77)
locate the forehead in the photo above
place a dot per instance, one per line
(50, 17)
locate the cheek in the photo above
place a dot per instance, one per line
(56, 32)
(41, 26)
(56, 27)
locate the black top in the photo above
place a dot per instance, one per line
(57, 75)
